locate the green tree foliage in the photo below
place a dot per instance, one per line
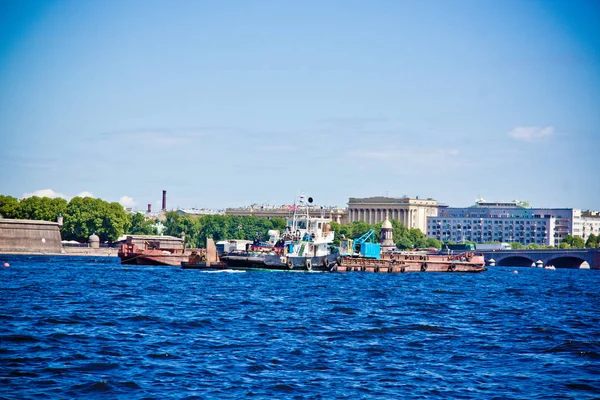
(578, 242)
(219, 227)
(574, 242)
(225, 227)
(434, 243)
(403, 237)
(82, 216)
(533, 246)
(592, 241)
(516, 246)
(138, 225)
(42, 208)
(9, 207)
(86, 216)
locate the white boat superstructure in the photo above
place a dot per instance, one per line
(305, 244)
(307, 236)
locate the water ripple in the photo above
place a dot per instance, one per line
(93, 328)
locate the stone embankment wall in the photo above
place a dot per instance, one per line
(27, 236)
(88, 251)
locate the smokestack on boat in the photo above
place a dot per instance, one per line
(164, 201)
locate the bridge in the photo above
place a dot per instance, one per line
(560, 258)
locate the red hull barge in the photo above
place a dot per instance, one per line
(399, 263)
(153, 250)
(137, 256)
(204, 258)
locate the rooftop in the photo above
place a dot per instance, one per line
(26, 221)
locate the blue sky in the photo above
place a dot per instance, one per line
(229, 103)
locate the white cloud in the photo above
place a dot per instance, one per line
(52, 194)
(45, 193)
(127, 202)
(531, 133)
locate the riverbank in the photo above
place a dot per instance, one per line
(72, 251)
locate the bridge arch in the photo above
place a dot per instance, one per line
(566, 262)
(515, 261)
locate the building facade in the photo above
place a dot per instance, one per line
(511, 221)
(413, 213)
(590, 224)
(286, 211)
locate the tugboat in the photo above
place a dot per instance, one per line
(305, 245)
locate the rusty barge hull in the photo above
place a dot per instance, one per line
(397, 268)
(144, 258)
(153, 250)
(204, 265)
(434, 263)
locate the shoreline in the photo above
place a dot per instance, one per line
(76, 251)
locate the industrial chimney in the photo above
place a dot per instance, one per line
(164, 202)
(149, 208)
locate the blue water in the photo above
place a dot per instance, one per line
(89, 328)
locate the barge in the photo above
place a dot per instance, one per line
(206, 259)
(153, 250)
(412, 262)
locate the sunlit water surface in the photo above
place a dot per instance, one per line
(83, 327)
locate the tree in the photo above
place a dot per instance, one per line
(138, 225)
(42, 208)
(516, 246)
(434, 243)
(405, 243)
(9, 207)
(578, 242)
(86, 216)
(575, 242)
(568, 239)
(564, 245)
(220, 227)
(592, 241)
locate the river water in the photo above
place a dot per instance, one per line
(83, 327)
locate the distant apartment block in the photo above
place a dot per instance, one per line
(511, 221)
(286, 211)
(413, 213)
(196, 212)
(590, 224)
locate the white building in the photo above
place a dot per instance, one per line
(590, 224)
(511, 221)
(413, 213)
(196, 211)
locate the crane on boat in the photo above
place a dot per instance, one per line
(363, 246)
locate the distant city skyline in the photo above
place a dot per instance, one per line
(226, 104)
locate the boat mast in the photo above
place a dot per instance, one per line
(294, 215)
